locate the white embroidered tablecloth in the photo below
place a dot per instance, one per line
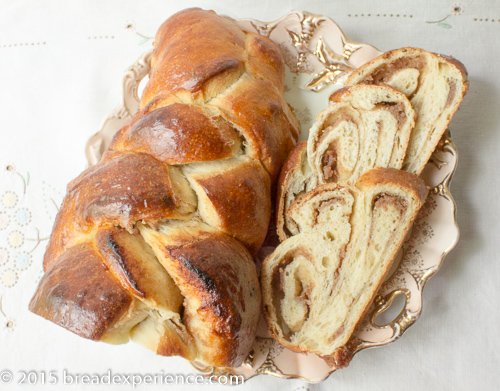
(62, 64)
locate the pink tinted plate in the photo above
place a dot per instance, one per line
(319, 56)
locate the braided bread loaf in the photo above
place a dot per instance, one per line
(435, 85)
(318, 284)
(365, 126)
(155, 242)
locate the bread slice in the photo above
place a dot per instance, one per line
(434, 84)
(318, 284)
(365, 126)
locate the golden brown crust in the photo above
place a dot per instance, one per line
(109, 193)
(403, 179)
(104, 194)
(182, 60)
(179, 134)
(241, 193)
(254, 107)
(216, 276)
(208, 141)
(343, 356)
(339, 95)
(266, 60)
(206, 265)
(252, 102)
(78, 293)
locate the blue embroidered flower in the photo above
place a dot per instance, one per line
(22, 260)
(23, 216)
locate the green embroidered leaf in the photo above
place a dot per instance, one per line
(143, 41)
(444, 25)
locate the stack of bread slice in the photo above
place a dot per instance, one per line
(349, 195)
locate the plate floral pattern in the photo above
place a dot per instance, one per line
(319, 57)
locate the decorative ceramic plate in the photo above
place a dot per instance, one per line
(319, 57)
